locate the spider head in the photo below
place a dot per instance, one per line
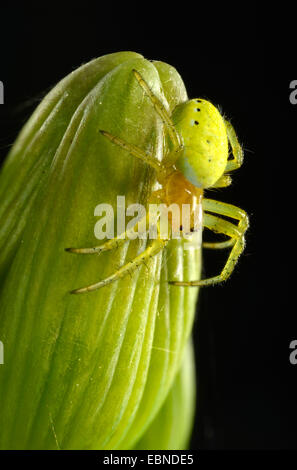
(202, 129)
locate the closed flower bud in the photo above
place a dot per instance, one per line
(87, 371)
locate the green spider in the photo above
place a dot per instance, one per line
(198, 160)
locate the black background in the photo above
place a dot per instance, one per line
(246, 396)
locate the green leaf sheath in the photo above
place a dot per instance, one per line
(87, 371)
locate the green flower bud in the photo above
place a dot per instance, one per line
(87, 371)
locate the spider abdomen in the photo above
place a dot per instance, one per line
(205, 141)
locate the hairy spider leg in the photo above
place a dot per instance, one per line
(173, 134)
(134, 150)
(218, 225)
(110, 244)
(223, 182)
(162, 112)
(153, 249)
(219, 245)
(237, 151)
(223, 209)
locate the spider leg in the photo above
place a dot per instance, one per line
(237, 151)
(163, 113)
(128, 268)
(223, 209)
(138, 152)
(110, 244)
(219, 245)
(223, 182)
(218, 225)
(134, 150)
